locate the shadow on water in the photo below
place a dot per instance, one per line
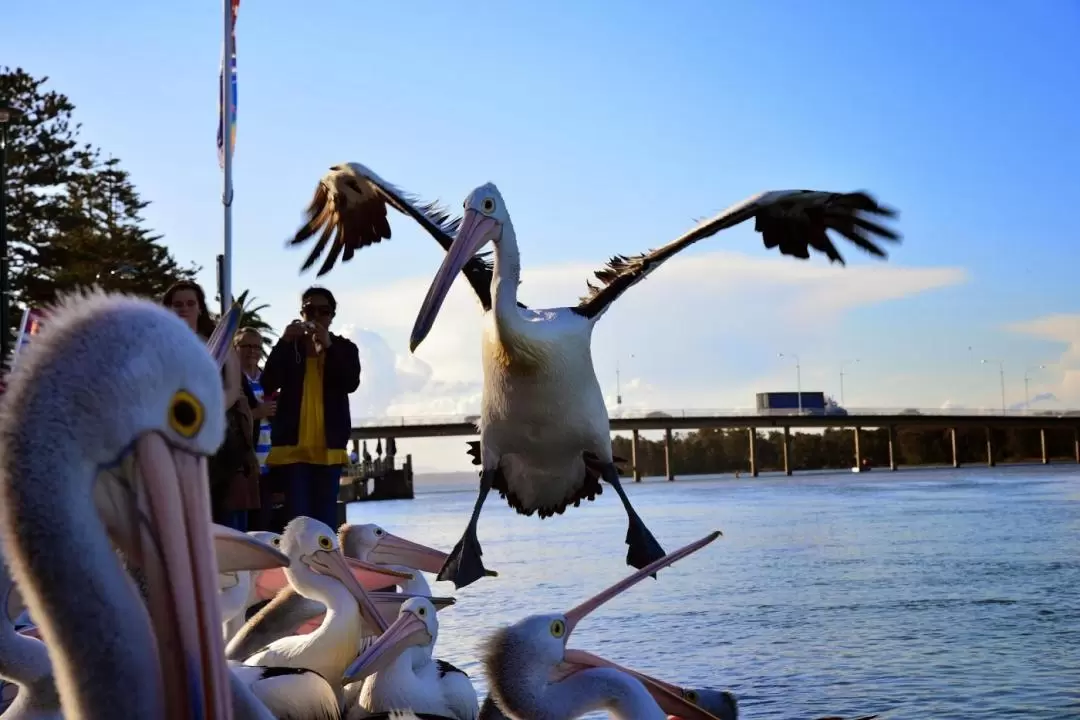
(944, 593)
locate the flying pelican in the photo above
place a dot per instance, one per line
(320, 572)
(371, 543)
(104, 431)
(521, 660)
(405, 676)
(544, 428)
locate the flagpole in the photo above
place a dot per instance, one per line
(226, 133)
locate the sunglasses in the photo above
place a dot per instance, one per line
(317, 310)
(250, 346)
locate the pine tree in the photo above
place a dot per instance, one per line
(77, 219)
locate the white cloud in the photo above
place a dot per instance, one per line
(1062, 380)
(668, 315)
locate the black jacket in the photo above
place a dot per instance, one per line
(284, 373)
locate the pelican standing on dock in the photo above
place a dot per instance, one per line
(545, 435)
(104, 432)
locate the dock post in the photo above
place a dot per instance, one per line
(955, 454)
(1076, 444)
(858, 455)
(753, 450)
(787, 450)
(990, 447)
(1042, 446)
(633, 455)
(892, 452)
(667, 454)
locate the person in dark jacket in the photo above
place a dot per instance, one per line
(313, 371)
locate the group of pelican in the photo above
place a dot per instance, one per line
(123, 600)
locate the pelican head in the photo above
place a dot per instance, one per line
(316, 560)
(416, 626)
(115, 407)
(521, 659)
(371, 543)
(485, 219)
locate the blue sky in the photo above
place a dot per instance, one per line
(610, 128)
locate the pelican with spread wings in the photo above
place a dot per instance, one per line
(545, 437)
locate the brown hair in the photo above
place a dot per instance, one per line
(204, 324)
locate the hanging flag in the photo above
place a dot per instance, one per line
(32, 321)
(234, 7)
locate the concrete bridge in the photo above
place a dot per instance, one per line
(754, 420)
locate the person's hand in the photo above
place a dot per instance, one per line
(294, 331)
(321, 337)
(266, 409)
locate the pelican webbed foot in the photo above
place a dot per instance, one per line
(643, 549)
(463, 566)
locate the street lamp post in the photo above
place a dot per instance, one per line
(1027, 379)
(1001, 375)
(846, 362)
(798, 376)
(7, 115)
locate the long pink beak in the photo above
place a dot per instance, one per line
(577, 614)
(407, 630)
(394, 550)
(387, 603)
(473, 233)
(369, 575)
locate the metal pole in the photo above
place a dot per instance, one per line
(1001, 371)
(1027, 394)
(5, 319)
(841, 388)
(227, 102)
(798, 383)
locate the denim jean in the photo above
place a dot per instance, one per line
(310, 490)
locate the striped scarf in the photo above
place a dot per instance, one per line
(262, 447)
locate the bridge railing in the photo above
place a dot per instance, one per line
(407, 421)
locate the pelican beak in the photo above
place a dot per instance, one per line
(394, 550)
(669, 697)
(576, 615)
(406, 631)
(31, 631)
(333, 564)
(475, 231)
(371, 577)
(175, 551)
(239, 551)
(389, 603)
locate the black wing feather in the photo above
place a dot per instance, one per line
(349, 210)
(792, 221)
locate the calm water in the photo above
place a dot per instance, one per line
(935, 594)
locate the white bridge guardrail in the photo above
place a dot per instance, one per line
(403, 421)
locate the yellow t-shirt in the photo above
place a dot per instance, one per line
(311, 447)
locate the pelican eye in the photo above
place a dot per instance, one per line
(326, 543)
(487, 205)
(558, 628)
(690, 696)
(379, 532)
(276, 542)
(185, 414)
(422, 612)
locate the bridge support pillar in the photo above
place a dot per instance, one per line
(787, 450)
(752, 432)
(667, 454)
(990, 447)
(892, 452)
(633, 455)
(955, 454)
(855, 432)
(1042, 446)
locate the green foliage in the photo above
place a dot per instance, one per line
(710, 451)
(73, 218)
